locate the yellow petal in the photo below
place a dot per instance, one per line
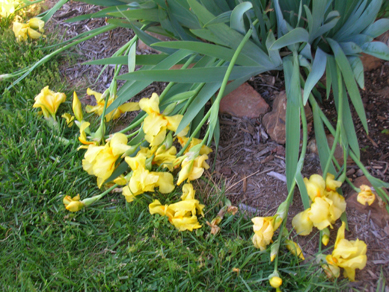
(186, 223)
(275, 282)
(129, 107)
(36, 23)
(173, 122)
(150, 105)
(315, 186)
(96, 94)
(165, 182)
(365, 195)
(319, 213)
(331, 184)
(188, 193)
(82, 138)
(302, 224)
(118, 144)
(69, 119)
(32, 33)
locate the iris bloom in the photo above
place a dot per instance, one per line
(73, 204)
(156, 124)
(142, 180)
(24, 30)
(100, 160)
(327, 205)
(192, 167)
(49, 101)
(349, 255)
(183, 215)
(100, 99)
(7, 7)
(264, 228)
(365, 195)
(162, 156)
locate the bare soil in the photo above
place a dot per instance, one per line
(252, 165)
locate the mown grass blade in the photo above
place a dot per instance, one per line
(318, 68)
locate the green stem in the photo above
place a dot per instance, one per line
(338, 124)
(90, 201)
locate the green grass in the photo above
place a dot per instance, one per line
(113, 245)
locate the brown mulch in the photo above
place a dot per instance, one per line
(253, 165)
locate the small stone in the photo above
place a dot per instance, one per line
(359, 173)
(244, 102)
(274, 122)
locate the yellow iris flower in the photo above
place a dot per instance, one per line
(142, 180)
(191, 168)
(100, 160)
(155, 125)
(7, 7)
(98, 109)
(162, 156)
(365, 195)
(49, 101)
(264, 228)
(24, 30)
(327, 205)
(183, 215)
(349, 255)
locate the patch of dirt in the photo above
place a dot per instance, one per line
(253, 165)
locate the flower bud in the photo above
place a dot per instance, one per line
(274, 250)
(73, 204)
(77, 108)
(325, 236)
(274, 280)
